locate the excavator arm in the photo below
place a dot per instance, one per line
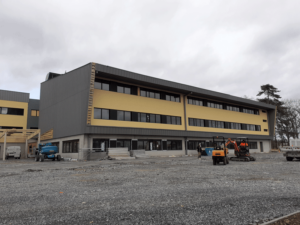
(236, 148)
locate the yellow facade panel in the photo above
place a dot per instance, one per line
(14, 120)
(207, 113)
(133, 103)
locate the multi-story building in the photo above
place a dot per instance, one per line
(17, 111)
(97, 106)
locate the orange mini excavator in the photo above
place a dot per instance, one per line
(241, 152)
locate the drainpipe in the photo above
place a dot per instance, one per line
(185, 122)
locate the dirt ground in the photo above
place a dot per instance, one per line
(291, 220)
(180, 190)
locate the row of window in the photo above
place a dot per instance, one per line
(224, 125)
(11, 111)
(217, 105)
(115, 87)
(109, 114)
(127, 89)
(72, 146)
(148, 145)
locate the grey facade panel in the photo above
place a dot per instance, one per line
(33, 121)
(64, 103)
(166, 133)
(119, 74)
(14, 96)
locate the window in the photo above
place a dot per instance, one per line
(236, 126)
(192, 145)
(250, 127)
(214, 105)
(264, 120)
(120, 115)
(211, 123)
(174, 145)
(194, 101)
(100, 145)
(150, 93)
(120, 89)
(266, 130)
(3, 110)
(127, 90)
(101, 85)
(253, 145)
(257, 128)
(152, 118)
(159, 95)
(233, 108)
(101, 114)
(123, 89)
(127, 116)
(35, 112)
(143, 117)
(124, 144)
(70, 146)
(12, 111)
(264, 111)
(157, 118)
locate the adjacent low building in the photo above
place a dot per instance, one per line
(18, 111)
(101, 107)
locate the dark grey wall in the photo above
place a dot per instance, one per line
(271, 121)
(33, 121)
(14, 96)
(166, 133)
(64, 102)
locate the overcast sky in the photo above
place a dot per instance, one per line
(231, 46)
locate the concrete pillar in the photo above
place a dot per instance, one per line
(4, 147)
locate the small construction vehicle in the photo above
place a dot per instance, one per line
(220, 152)
(46, 151)
(292, 151)
(13, 151)
(241, 152)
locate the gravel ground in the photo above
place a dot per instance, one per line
(169, 190)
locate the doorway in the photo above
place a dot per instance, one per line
(31, 148)
(261, 147)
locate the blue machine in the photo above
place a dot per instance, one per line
(47, 151)
(209, 150)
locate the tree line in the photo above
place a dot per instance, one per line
(287, 115)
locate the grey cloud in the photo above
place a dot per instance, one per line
(173, 40)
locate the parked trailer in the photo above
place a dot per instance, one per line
(292, 151)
